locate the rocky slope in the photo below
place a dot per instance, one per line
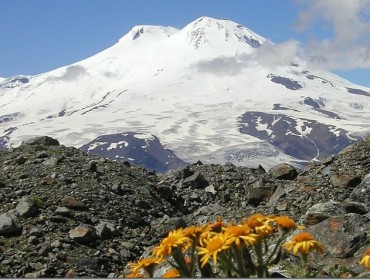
(67, 213)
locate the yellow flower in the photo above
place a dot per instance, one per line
(175, 238)
(213, 246)
(146, 264)
(260, 224)
(239, 233)
(172, 273)
(303, 243)
(365, 260)
(206, 235)
(285, 223)
(194, 232)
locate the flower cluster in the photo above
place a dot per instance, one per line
(229, 250)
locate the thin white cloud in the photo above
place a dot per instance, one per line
(268, 54)
(349, 45)
(272, 55)
(223, 65)
(71, 73)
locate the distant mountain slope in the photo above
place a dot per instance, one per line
(192, 88)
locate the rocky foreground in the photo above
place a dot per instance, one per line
(65, 213)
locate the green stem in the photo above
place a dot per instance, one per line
(277, 246)
(206, 271)
(304, 264)
(239, 261)
(227, 259)
(180, 260)
(261, 269)
(266, 247)
(193, 248)
(250, 267)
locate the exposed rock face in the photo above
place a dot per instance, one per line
(288, 83)
(298, 137)
(358, 91)
(93, 215)
(142, 149)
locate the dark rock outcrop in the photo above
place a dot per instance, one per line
(300, 138)
(142, 149)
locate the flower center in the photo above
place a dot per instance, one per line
(215, 244)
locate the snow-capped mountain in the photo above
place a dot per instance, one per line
(202, 90)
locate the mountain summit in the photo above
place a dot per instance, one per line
(210, 31)
(202, 91)
(205, 31)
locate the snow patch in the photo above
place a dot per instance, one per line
(118, 144)
(145, 136)
(263, 126)
(95, 145)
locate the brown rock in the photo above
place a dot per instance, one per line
(73, 203)
(342, 235)
(344, 181)
(82, 234)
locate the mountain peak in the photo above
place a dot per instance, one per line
(204, 29)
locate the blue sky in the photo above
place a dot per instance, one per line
(41, 35)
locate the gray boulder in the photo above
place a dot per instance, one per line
(42, 140)
(105, 229)
(284, 171)
(195, 181)
(361, 193)
(322, 211)
(259, 192)
(9, 224)
(163, 225)
(26, 208)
